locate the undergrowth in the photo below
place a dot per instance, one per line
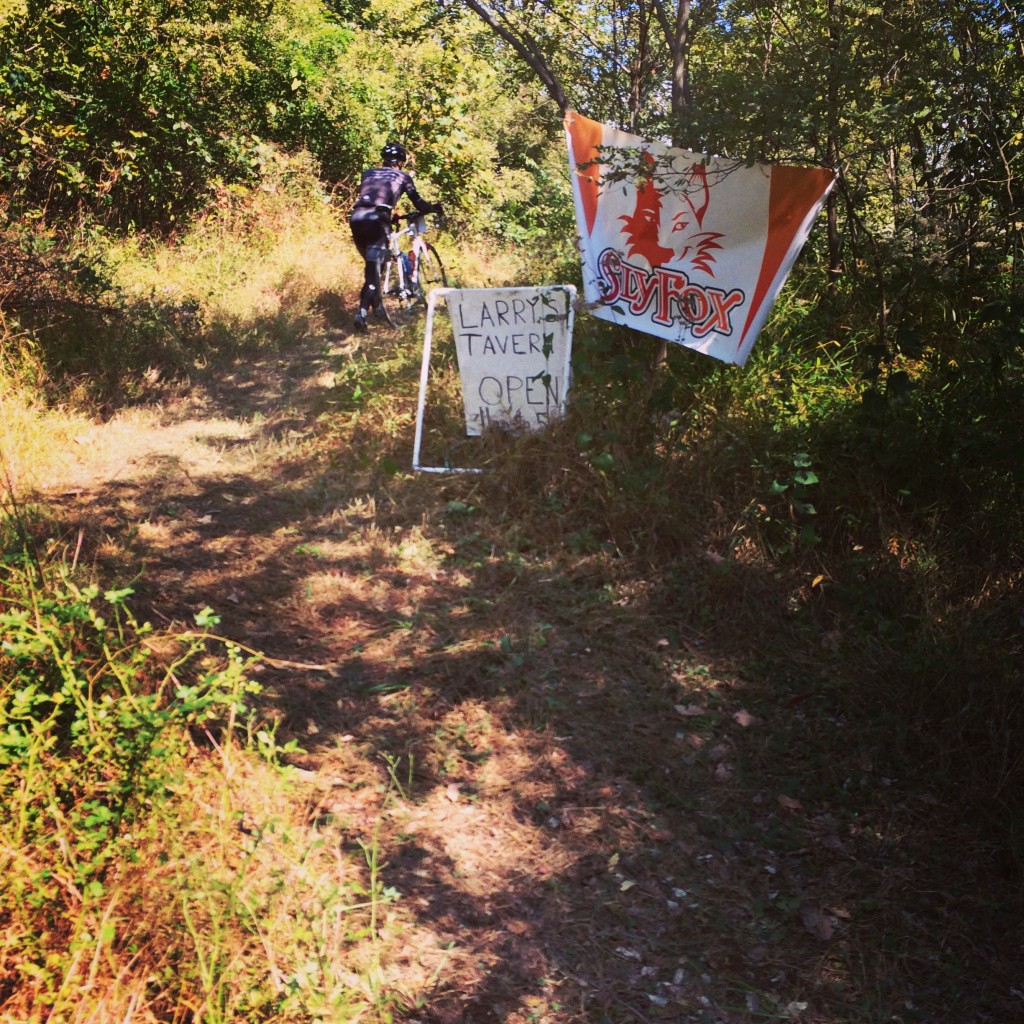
(156, 864)
(117, 320)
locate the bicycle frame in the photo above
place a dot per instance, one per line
(409, 268)
(416, 228)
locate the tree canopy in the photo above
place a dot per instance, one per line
(131, 110)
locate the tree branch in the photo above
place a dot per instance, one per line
(666, 25)
(527, 48)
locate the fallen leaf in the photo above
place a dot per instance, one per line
(789, 803)
(695, 741)
(723, 771)
(744, 718)
(816, 921)
(719, 752)
(691, 710)
(453, 791)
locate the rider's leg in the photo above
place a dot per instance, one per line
(369, 297)
(370, 235)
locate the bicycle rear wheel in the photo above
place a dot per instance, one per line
(395, 304)
(430, 272)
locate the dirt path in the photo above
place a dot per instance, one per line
(587, 817)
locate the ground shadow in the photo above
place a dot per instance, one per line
(594, 809)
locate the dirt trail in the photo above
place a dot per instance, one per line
(575, 812)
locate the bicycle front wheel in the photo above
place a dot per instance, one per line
(431, 271)
(395, 302)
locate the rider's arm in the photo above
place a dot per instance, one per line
(422, 206)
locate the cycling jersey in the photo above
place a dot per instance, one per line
(384, 186)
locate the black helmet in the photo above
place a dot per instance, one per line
(393, 153)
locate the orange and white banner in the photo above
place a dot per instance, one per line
(683, 246)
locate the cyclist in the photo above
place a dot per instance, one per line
(379, 191)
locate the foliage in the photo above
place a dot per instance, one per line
(130, 110)
(125, 890)
(120, 107)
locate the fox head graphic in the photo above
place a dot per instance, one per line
(677, 239)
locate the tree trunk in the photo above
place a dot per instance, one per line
(832, 154)
(678, 37)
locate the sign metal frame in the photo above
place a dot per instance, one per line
(428, 339)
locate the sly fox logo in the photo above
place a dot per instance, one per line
(676, 240)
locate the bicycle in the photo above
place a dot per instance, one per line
(406, 277)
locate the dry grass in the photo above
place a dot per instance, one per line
(229, 904)
(34, 439)
(255, 261)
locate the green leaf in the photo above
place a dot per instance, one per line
(206, 618)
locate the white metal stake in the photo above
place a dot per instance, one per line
(428, 339)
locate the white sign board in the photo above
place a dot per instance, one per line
(513, 347)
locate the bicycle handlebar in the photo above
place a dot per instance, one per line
(412, 215)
